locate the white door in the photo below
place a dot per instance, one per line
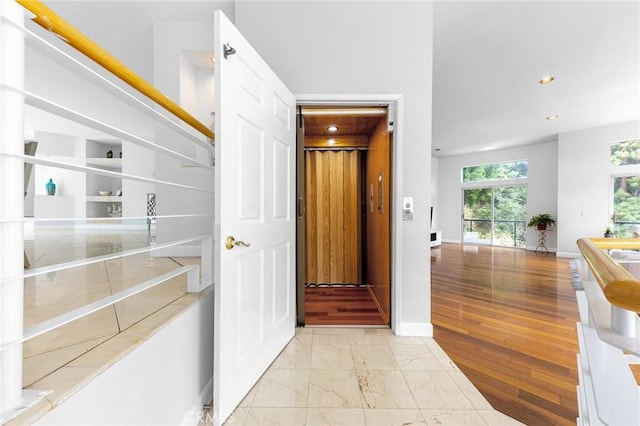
(255, 189)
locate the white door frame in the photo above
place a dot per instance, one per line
(396, 113)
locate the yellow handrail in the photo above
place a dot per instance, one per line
(618, 285)
(50, 21)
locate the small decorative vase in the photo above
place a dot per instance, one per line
(51, 187)
(109, 154)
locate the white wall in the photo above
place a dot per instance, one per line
(377, 47)
(205, 82)
(136, 161)
(435, 193)
(69, 184)
(542, 192)
(62, 85)
(197, 84)
(584, 182)
(177, 78)
(177, 362)
(166, 380)
(118, 26)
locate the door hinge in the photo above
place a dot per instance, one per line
(391, 118)
(228, 50)
(390, 125)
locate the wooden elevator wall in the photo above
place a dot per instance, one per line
(378, 219)
(334, 231)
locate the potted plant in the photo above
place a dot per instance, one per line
(608, 233)
(541, 221)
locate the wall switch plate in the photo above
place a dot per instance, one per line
(407, 208)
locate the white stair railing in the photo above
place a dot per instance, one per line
(608, 393)
(187, 150)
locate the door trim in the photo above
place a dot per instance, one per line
(301, 220)
(395, 110)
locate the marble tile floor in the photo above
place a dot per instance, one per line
(64, 358)
(69, 368)
(55, 293)
(324, 376)
(363, 376)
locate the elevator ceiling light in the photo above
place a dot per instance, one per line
(546, 80)
(332, 128)
(343, 111)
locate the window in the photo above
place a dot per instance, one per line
(626, 204)
(495, 211)
(625, 152)
(495, 171)
(495, 215)
(625, 186)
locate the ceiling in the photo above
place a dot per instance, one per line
(490, 56)
(488, 59)
(349, 121)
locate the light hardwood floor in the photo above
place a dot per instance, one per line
(507, 318)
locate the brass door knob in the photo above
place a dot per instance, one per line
(231, 242)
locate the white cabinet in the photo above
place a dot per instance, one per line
(105, 155)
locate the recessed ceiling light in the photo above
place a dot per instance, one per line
(332, 128)
(552, 117)
(546, 80)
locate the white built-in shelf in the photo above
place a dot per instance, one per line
(109, 163)
(104, 199)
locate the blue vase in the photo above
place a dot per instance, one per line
(51, 187)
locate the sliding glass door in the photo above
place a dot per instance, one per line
(477, 222)
(495, 215)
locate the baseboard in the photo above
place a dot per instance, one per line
(549, 249)
(418, 329)
(375, 301)
(568, 254)
(449, 240)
